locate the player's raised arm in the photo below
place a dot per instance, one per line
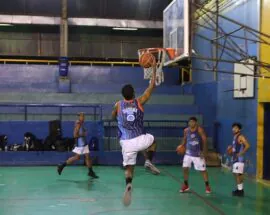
(148, 92)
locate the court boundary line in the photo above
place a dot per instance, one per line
(209, 204)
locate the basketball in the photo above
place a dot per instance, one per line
(147, 60)
(181, 150)
(230, 150)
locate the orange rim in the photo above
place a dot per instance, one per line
(170, 51)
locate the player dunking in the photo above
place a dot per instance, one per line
(194, 137)
(133, 139)
(81, 148)
(239, 146)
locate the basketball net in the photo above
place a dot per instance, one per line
(160, 56)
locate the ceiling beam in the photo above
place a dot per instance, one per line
(46, 20)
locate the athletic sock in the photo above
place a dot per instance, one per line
(186, 183)
(240, 186)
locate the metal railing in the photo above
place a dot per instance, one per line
(71, 62)
(167, 133)
(93, 110)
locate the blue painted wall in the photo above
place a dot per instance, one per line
(226, 109)
(44, 78)
(204, 87)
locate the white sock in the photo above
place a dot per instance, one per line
(147, 161)
(240, 186)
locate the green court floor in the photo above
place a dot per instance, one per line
(40, 191)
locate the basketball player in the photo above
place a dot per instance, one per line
(81, 148)
(195, 141)
(133, 139)
(240, 146)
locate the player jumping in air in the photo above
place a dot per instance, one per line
(239, 146)
(133, 139)
(81, 148)
(195, 142)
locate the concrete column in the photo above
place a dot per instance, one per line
(64, 82)
(64, 30)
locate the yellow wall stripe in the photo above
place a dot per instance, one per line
(260, 137)
(263, 86)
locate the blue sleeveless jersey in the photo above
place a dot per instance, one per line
(130, 119)
(81, 141)
(237, 148)
(193, 147)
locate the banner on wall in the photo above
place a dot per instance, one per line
(63, 66)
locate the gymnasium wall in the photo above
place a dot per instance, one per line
(84, 79)
(204, 85)
(227, 109)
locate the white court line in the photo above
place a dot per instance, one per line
(62, 204)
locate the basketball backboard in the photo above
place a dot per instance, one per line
(176, 29)
(244, 84)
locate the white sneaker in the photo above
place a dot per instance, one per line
(151, 167)
(127, 195)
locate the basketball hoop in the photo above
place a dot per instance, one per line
(160, 55)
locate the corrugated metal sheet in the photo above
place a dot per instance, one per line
(115, 9)
(44, 20)
(80, 45)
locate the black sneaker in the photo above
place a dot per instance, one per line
(92, 174)
(60, 169)
(239, 193)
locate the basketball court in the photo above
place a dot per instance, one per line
(39, 190)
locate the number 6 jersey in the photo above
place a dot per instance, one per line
(130, 119)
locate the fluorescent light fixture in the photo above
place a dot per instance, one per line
(125, 29)
(5, 24)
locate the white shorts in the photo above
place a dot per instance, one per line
(199, 163)
(238, 168)
(130, 148)
(81, 150)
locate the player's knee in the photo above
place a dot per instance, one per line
(185, 169)
(152, 147)
(128, 170)
(77, 157)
